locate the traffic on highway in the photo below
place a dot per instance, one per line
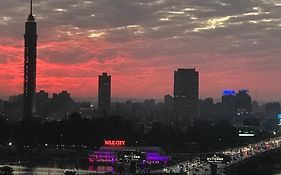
(207, 164)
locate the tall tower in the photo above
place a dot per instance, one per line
(104, 99)
(30, 52)
(186, 94)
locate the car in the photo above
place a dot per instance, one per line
(180, 165)
(171, 171)
(69, 172)
(168, 170)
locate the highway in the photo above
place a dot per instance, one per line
(199, 166)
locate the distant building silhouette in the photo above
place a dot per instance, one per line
(236, 106)
(104, 94)
(12, 108)
(272, 110)
(1, 106)
(169, 103)
(244, 103)
(229, 105)
(60, 106)
(30, 52)
(42, 103)
(206, 109)
(186, 94)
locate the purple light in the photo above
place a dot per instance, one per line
(102, 157)
(152, 154)
(155, 158)
(110, 156)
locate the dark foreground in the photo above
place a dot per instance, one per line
(269, 164)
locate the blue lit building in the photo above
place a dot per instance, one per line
(229, 105)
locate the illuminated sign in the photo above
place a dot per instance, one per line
(246, 133)
(114, 142)
(229, 92)
(102, 157)
(215, 159)
(279, 119)
(218, 158)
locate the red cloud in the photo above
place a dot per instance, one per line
(131, 76)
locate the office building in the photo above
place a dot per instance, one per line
(229, 105)
(244, 103)
(186, 94)
(104, 94)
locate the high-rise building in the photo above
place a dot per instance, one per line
(244, 103)
(236, 107)
(186, 94)
(104, 94)
(229, 105)
(30, 52)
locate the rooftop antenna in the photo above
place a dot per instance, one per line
(31, 7)
(31, 17)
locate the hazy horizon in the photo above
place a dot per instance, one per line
(233, 44)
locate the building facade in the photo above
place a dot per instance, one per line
(186, 94)
(229, 105)
(104, 94)
(244, 103)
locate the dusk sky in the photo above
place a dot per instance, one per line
(234, 44)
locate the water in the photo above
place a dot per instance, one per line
(52, 170)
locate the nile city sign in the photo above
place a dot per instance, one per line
(114, 142)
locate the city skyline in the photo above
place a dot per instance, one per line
(76, 44)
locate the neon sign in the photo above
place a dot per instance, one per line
(229, 92)
(114, 142)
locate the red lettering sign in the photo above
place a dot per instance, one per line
(114, 142)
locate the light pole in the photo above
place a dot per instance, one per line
(19, 166)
